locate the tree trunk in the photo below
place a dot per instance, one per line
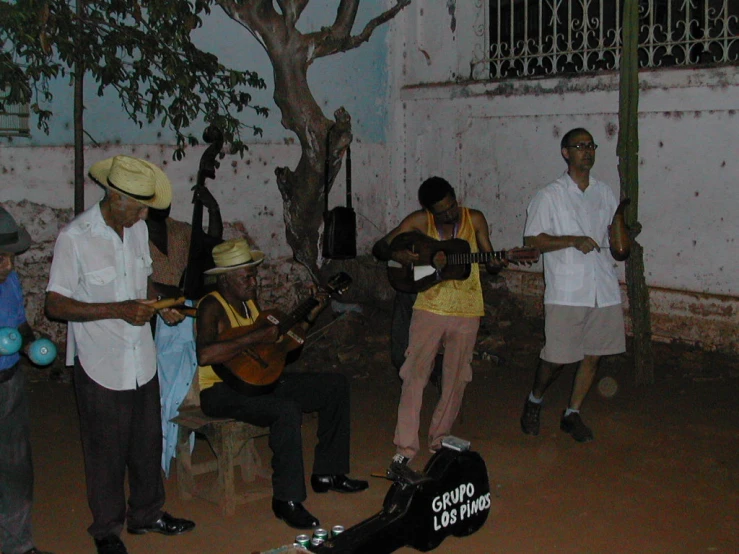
(322, 141)
(302, 189)
(628, 168)
(79, 108)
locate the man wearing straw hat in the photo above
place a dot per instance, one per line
(100, 284)
(16, 467)
(234, 304)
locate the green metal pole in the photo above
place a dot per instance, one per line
(628, 169)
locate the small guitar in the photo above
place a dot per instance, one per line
(256, 370)
(442, 260)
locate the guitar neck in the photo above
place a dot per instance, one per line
(297, 315)
(476, 257)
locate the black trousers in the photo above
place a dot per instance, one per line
(282, 411)
(121, 430)
(16, 468)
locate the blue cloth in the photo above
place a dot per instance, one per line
(12, 312)
(177, 365)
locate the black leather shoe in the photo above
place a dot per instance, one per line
(294, 514)
(338, 483)
(110, 544)
(166, 525)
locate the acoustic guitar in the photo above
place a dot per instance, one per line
(442, 260)
(256, 370)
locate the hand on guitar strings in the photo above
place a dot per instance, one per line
(405, 257)
(320, 296)
(495, 266)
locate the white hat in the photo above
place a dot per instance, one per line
(135, 178)
(234, 254)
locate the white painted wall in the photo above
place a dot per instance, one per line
(246, 188)
(498, 143)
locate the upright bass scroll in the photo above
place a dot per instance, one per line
(201, 243)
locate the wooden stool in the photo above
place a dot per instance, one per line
(232, 442)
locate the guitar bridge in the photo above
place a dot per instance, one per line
(256, 357)
(295, 337)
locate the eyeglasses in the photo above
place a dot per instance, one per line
(584, 146)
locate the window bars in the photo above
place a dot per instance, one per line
(13, 119)
(529, 38)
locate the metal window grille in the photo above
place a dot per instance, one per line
(13, 119)
(529, 38)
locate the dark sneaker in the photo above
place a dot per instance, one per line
(398, 464)
(400, 471)
(530, 418)
(574, 426)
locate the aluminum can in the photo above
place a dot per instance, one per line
(337, 530)
(302, 540)
(320, 534)
(317, 541)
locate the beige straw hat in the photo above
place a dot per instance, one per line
(135, 178)
(234, 254)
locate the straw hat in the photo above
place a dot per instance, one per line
(13, 237)
(135, 178)
(234, 254)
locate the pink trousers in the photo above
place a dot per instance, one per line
(428, 333)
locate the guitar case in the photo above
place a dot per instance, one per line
(340, 223)
(450, 497)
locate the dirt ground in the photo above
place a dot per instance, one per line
(662, 475)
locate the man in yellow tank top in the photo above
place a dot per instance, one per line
(234, 304)
(447, 314)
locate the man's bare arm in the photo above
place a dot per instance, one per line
(211, 322)
(135, 312)
(549, 243)
(482, 234)
(413, 222)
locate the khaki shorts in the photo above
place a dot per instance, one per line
(573, 332)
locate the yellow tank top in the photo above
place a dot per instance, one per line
(206, 376)
(456, 298)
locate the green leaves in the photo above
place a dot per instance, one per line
(141, 49)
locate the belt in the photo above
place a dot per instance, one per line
(7, 374)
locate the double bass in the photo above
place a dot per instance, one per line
(194, 283)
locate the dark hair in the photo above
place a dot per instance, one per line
(157, 214)
(569, 134)
(433, 190)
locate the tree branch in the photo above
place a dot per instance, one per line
(345, 17)
(292, 9)
(334, 41)
(259, 17)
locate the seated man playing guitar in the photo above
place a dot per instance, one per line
(446, 313)
(279, 406)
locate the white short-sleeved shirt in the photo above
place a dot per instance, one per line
(91, 264)
(571, 277)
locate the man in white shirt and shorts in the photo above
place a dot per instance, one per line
(569, 221)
